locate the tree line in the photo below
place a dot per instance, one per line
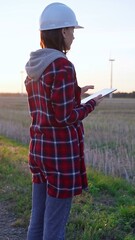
(124, 95)
(115, 95)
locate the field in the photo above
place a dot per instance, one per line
(107, 210)
(109, 138)
(109, 133)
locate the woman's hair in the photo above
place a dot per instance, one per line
(53, 39)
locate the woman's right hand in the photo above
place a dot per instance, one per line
(98, 99)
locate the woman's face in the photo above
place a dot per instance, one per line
(68, 35)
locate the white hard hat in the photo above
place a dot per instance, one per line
(57, 15)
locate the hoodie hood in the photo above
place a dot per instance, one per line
(40, 60)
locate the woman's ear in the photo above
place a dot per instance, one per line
(64, 32)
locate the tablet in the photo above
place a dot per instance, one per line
(103, 92)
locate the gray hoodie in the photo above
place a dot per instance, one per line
(40, 60)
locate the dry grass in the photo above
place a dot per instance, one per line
(109, 138)
(14, 118)
(109, 133)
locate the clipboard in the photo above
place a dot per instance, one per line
(103, 92)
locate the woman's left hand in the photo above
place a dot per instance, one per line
(86, 88)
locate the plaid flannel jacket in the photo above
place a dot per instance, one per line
(57, 146)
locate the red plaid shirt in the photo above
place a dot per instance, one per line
(57, 145)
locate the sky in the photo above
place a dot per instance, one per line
(109, 33)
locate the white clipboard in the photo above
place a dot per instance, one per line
(103, 92)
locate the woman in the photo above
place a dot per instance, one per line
(56, 156)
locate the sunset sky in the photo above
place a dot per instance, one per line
(109, 32)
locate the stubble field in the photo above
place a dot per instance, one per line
(109, 133)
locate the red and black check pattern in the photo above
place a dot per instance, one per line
(56, 146)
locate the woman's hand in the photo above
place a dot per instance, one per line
(98, 99)
(86, 88)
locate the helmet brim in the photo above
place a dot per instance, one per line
(77, 27)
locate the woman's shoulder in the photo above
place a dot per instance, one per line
(60, 64)
(63, 62)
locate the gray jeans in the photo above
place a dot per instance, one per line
(49, 215)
